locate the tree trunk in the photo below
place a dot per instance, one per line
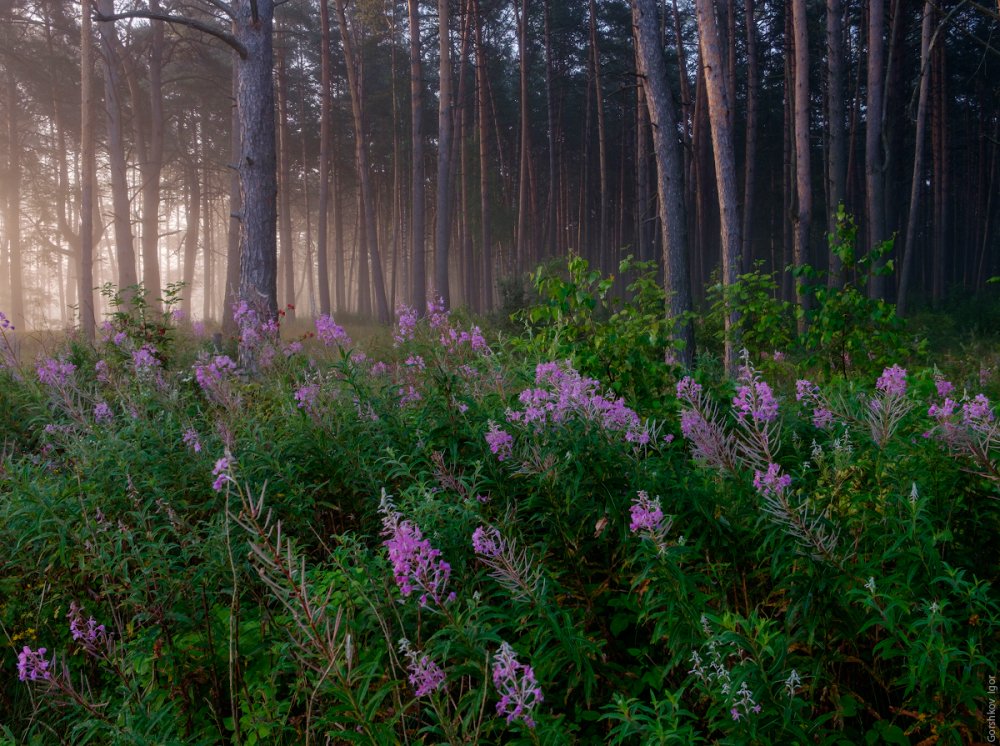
(370, 232)
(601, 248)
(151, 171)
(523, 245)
(258, 178)
(12, 221)
(552, 234)
(725, 163)
(125, 248)
(918, 159)
(482, 113)
(874, 184)
(418, 261)
(803, 172)
(443, 212)
(285, 187)
(670, 187)
(322, 233)
(193, 220)
(750, 161)
(88, 165)
(232, 279)
(837, 138)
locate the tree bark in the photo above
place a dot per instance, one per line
(482, 113)
(602, 248)
(12, 221)
(85, 270)
(125, 248)
(322, 232)
(370, 232)
(418, 261)
(670, 187)
(193, 220)
(285, 187)
(443, 212)
(725, 163)
(918, 160)
(803, 172)
(874, 184)
(258, 178)
(523, 243)
(837, 135)
(750, 160)
(232, 279)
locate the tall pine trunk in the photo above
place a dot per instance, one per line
(725, 163)
(837, 134)
(88, 166)
(418, 261)
(322, 232)
(442, 232)
(803, 172)
(874, 174)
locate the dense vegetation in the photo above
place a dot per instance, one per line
(544, 533)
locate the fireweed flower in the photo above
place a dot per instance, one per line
(329, 332)
(103, 413)
(191, 440)
(892, 382)
(221, 473)
(32, 665)
(486, 540)
(406, 324)
(646, 513)
(822, 418)
(306, 396)
(805, 390)
(425, 676)
(415, 563)
(756, 400)
(500, 441)
(772, 481)
(943, 387)
(516, 685)
(437, 312)
(977, 413)
(87, 632)
(55, 373)
(144, 361)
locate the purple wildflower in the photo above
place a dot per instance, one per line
(755, 399)
(688, 389)
(406, 324)
(771, 482)
(437, 312)
(415, 563)
(515, 683)
(943, 387)
(306, 396)
(646, 513)
(191, 440)
(822, 418)
(101, 371)
(103, 413)
(487, 541)
(500, 441)
(329, 332)
(977, 413)
(87, 632)
(144, 360)
(5, 324)
(32, 665)
(53, 372)
(805, 390)
(425, 676)
(209, 375)
(892, 382)
(220, 472)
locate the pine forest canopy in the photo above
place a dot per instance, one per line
(353, 155)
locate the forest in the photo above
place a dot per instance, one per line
(453, 149)
(499, 372)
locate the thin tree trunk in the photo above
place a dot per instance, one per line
(602, 249)
(285, 187)
(918, 159)
(751, 136)
(482, 114)
(323, 269)
(670, 187)
(874, 174)
(725, 164)
(803, 172)
(837, 139)
(127, 277)
(192, 219)
(418, 261)
(443, 212)
(232, 279)
(340, 270)
(370, 232)
(523, 245)
(88, 166)
(12, 221)
(552, 234)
